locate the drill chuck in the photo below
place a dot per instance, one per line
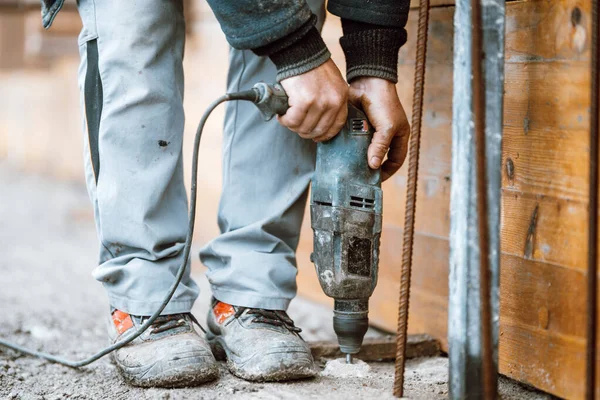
(350, 323)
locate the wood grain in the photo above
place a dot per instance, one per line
(549, 355)
(558, 234)
(554, 30)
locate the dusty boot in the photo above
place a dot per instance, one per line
(169, 354)
(259, 345)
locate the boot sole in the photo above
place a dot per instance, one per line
(236, 365)
(175, 377)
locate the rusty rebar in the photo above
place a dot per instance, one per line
(592, 261)
(411, 196)
(478, 86)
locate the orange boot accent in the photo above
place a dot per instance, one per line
(122, 321)
(223, 311)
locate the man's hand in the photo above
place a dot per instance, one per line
(318, 103)
(379, 100)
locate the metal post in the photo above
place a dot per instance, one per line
(465, 333)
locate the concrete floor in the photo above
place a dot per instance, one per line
(51, 302)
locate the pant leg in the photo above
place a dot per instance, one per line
(266, 175)
(131, 80)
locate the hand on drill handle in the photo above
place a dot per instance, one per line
(318, 111)
(317, 101)
(379, 100)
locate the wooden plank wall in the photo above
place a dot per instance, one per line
(546, 124)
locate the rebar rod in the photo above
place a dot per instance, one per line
(411, 196)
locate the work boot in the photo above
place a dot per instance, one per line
(259, 345)
(169, 354)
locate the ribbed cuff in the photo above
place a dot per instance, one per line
(306, 54)
(373, 53)
(297, 53)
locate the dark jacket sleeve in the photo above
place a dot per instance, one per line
(387, 13)
(283, 30)
(374, 31)
(249, 24)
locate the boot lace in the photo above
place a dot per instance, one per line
(271, 317)
(168, 322)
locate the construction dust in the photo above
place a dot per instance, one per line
(339, 368)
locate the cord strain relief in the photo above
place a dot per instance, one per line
(250, 95)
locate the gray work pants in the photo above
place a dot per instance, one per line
(131, 80)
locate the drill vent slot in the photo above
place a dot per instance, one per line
(323, 203)
(360, 125)
(361, 202)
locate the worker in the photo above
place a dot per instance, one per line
(131, 82)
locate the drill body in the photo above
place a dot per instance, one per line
(346, 217)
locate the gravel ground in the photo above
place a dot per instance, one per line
(51, 302)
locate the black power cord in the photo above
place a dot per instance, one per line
(261, 94)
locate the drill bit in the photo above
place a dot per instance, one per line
(348, 358)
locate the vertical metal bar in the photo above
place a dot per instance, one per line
(465, 335)
(592, 272)
(478, 85)
(411, 197)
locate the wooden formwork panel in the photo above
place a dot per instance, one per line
(544, 168)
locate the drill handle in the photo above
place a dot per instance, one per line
(271, 100)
